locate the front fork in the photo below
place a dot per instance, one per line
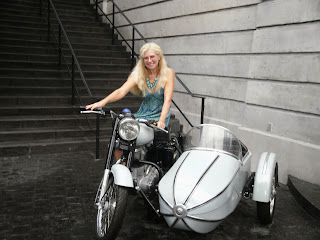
(102, 189)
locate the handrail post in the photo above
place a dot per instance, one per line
(113, 26)
(48, 20)
(60, 45)
(97, 136)
(202, 109)
(40, 1)
(72, 79)
(97, 18)
(132, 50)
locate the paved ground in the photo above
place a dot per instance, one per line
(51, 197)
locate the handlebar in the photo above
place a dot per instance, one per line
(98, 110)
(151, 123)
(102, 111)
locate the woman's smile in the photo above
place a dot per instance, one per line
(151, 60)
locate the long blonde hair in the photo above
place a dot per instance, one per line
(140, 72)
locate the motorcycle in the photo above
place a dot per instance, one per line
(194, 189)
(148, 153)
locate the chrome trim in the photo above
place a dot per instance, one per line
(204, 220)
(202, 176)
(180, 211)
(127, 119)
(174, 223)
(166, 214)
(175, 177)
(187, 225)
(202, 204)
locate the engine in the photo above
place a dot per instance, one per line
(145, 176)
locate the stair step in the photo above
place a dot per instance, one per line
(53, 82)
(45, 48)
(42, 147)
(16, 72)
(72, 26)
(51, 110)
(307, 195)
(55, 66)
(42, 29)
(13, 123)
(7, 137)
(48, 100)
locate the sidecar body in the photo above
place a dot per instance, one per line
(207, 182)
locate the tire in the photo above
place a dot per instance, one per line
(265, 211)
(110, 216)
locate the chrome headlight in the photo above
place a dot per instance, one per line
(129, 129)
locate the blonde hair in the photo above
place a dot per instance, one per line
(140, 72)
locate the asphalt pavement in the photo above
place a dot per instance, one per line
(51, 197)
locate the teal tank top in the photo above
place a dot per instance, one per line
(151, 107)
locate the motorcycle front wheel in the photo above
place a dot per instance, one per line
(110, 214)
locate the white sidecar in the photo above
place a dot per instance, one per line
(208, 180)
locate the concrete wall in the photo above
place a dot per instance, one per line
(257, 62)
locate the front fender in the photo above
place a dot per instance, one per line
(263, 177)
(122, 175)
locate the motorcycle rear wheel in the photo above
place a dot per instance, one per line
(111, 214)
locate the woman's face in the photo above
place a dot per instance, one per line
(151, 60)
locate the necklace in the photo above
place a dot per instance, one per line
(152, 85)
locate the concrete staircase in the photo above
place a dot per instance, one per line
(36, 115)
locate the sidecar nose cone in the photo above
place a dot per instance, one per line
(180, 211)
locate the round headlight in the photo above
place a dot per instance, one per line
(129, 129)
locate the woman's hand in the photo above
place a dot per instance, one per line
(94, 105)
(161, 125)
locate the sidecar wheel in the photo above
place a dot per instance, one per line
(110, 216)
(265, 211)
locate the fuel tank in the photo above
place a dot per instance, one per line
(200, 190)
(146, 135)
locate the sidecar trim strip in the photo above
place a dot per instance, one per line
(166, 214)
(185, 223)
(203, 175)
(204, 220)
(174, 223)
(175, 177)
(202, 204)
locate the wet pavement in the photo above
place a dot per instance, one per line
(51, 197)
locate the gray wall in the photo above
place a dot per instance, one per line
(258, 63)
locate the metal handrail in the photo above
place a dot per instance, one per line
(74, 62)
(133, 54)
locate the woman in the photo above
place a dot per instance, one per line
(151, 78)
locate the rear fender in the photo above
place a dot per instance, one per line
(263, 177)
(122, 175)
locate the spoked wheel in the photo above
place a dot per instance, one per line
(111, 211)
(266, 210)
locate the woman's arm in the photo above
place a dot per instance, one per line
(115, 95)
(168, 93)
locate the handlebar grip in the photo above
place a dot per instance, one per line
(106, 109)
